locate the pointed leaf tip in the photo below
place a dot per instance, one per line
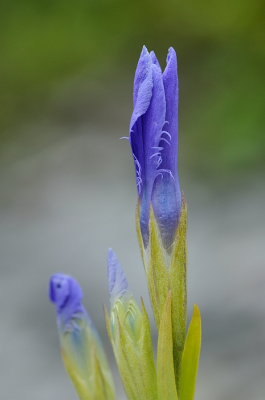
(190, 357)
(144, 50)
(166, 386)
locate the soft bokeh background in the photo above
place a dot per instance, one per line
(67, 182)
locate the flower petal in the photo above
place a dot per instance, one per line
(142, 89)
(166, 202)
(154, 143)
(166, 196)
(142, 93)
(154, 59)
(152, 123)
(118, 284)
(170, 80)
(67, 295)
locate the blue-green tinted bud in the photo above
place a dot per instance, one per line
(129, 332)
(123, 305)
(81, 348)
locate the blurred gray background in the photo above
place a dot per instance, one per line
(67, 186)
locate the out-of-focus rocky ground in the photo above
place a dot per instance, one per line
(63, 206)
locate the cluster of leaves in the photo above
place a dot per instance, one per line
(129, 330)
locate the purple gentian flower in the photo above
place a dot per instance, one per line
(154, 143)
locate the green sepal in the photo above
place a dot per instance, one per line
(127, 361)
(126, 384)
(90, 373)
(146, 357)
(166, 386)
(190, 357)
(103, 385)
(79, 383)
(134, 359)
(166, 269)
(178, 286)
(157, 273)
(155, 263)
(107, 321)
(139, 234)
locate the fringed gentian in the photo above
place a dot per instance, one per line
(161, 219)
(129, 333)
(81, 348)
(154, 143)
(161, 211)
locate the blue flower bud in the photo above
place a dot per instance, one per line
(129, 333)
(82, 351)
(154, 143)
(123, 305)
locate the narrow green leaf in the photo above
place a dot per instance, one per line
(107, 321)
(154, 261)
(190, 357)
(139, 234)
(178, 286)
(157, 273)
(147, 362)
(79, 383)
(119, 357)
(87, 366)
(128, 364)
(102, 388)
(166, 386)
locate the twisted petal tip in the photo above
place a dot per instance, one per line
(64, 292)
(118, 284)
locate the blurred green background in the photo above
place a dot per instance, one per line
(67, 184)
(69, 61)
